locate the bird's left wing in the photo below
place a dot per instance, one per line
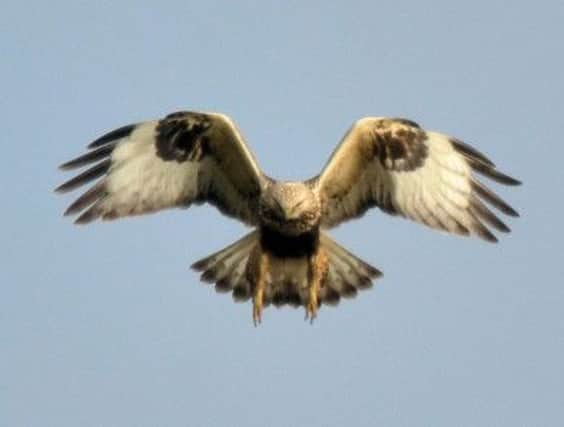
(401, 168)
(184, 158)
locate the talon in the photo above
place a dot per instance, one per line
(259, 288)
(311, 307)
(257, 312)
(318, 271)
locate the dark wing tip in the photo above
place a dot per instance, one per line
(481, 211)
(69, 211)
(487, 236)
(470, 152)
(60, 189)
(89, 158)
(492, 173)
(118, 133)
(514, 181)
(89, 216)
(69, 165)
(91, 174)
(482, 164)
(65, 187)
(87, 199)
(492, 198)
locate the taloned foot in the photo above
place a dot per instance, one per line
(257, 307)
(260, 283)
(312, 305)
(318, 267)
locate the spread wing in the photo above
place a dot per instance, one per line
(405, 170)
(185, 158)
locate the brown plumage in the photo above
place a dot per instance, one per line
(194, 157)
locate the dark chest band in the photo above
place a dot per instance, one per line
(289, 246)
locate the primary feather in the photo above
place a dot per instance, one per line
(184, 158)
(404, 170)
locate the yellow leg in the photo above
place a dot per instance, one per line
(258, 298)
(318, 266)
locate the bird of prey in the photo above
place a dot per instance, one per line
(191, 157)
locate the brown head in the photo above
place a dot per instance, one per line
(290, 208)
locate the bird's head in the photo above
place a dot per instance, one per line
(291, 208)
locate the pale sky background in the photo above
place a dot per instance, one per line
(105, 325)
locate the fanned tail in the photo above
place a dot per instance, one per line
(288, 278)
(347, 274)
(226, 268)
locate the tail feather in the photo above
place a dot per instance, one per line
(234, 270)
(286, 295)
(346, 274)
(240, 283)
(226, 268)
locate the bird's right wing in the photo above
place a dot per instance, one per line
(185, 158)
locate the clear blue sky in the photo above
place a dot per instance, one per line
(107, 326)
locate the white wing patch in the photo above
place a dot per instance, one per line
(184, 158)
(140, 182)
(425, 176)
(437, 193)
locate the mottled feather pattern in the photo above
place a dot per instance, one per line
(159, 164)
(398, 144)
(178, 137)
(422, 175)
(190, 158)
(287, 279)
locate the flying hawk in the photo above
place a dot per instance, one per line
(194, 157)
